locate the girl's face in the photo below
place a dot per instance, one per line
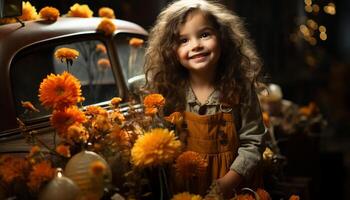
(198, 46)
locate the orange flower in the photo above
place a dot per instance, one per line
(41, 172)
(106, 12)
(29, 106)
(13, 168)
(8, 20)
(118, 117)
(136, 42)
(101, 124)
(263, 194)
(308, 110)
(106, 26)
(60, 91)
(294, 197)
(115, 101)
(186, 196)
(34, 150)
(63, 150)
(65, 54)
(28, 12)
(98, 168)
(96, 110)
(77, 133)
(150, 111)
(266, 119)
(62, 119)
(49, 13)
(244, 197)
(154, 100)
(119, 136)
(190, 164)
(101, 48)
(78, 10)
(175, 118)
(104, 63)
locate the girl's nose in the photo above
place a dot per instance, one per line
(196, 45)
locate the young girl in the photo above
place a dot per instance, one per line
(201, 60)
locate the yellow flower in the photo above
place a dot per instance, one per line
(13, 168)
(28, 12)
(63, 150)
(60, 91)
(115, 101)
(186, 196)
(41, 172)
(97, 168)
(190, 164)
(78, 10)
(154, 148)
(104, 63)
(29, 106)
(106, 12)
(154, 100)
(101, 48)
(107, 26)
(136, 42)
(49, 13)
(62, 119)
(65, 54)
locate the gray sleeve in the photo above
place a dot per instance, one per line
(251, 137)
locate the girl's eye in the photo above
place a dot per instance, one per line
(205, 35)
(183, 40)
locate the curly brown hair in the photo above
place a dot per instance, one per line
(238, 65)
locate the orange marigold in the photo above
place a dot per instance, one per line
(13, 168)
(65, 54)
(49, 13)
(77, 133)
(78, 10)
(62, 119)
(60, 91)
(103, 63)
(263, 194)
(119, 136)
(101, 124)
(294, 197)
(63, 150)
(136, 42)
(186, 196)
(150, 111)
(101, 48)
(154, 100)
(115, 101)
(106, 12)
(175, 118)
(154, 148)
(41, 173)
(117, 117)
(97, 168)
(8, 20)
(107, 26)
(95, 110)
(190, 164)
(28, 12)
(29, 106)
(245, 197)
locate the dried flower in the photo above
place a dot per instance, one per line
(154, 100)
(175, 118)
(49, 13)
(119, 136)
(155, 148)
(63, 150)
(78, 10)
(104, 63)
(186, 196)
(294, 197)
(34, 150)
(308, 110)
(28, 12)
(106, 12)
(136, 42)
(60, 91)
(101, 48)
(150, 111)
(29, 106)
(96, 110)
(117, 117)
(41, 172)
(263, 194)
(77, 133)
(190, 164)
(13, 168)
(62, 119)
(65, 54)
(97, 168)
(107, 26)
(115, 101)
(101, 124)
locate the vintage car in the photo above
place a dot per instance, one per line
(108, 66)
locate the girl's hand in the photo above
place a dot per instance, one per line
(229, 182)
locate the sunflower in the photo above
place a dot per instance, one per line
(190, 164)
(49, 13)
(28, 12)
(60, 91)
(78, 10)
(41, 173)
(106, 12)
(107, 26)
(136, 42)
(66, 54)
(186, 196)
(157, 147)
(62, 119)
(154, 100)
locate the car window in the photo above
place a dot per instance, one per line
(33, 64)
(131, 58)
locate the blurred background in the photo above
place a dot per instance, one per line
(306, 51)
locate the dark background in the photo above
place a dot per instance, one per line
(306, 72)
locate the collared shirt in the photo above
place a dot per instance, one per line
(251, 129)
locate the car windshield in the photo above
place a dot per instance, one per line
(92, 67)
